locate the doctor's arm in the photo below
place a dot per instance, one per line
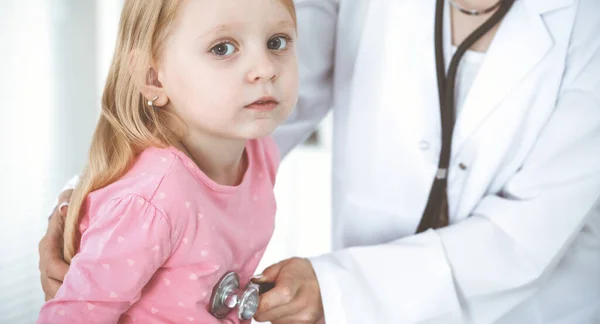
(317, 20)
(480, 269)
(51, 264)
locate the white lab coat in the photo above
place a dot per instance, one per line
(524, 243)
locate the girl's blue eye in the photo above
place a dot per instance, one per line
(223, 49)
(278, 43)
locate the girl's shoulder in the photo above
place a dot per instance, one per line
(144, 179)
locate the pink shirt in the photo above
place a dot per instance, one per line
(155, 242)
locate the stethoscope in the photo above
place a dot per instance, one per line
(228, 296)
(436, 212)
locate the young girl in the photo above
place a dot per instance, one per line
(178, 189)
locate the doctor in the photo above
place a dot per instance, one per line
(523, 245)
(517, 181)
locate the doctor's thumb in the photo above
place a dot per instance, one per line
(270, 274)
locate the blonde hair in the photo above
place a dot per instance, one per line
(127, 125)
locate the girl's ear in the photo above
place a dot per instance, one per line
(153, 89)
(147, 81)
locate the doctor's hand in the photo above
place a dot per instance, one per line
(52, 266)
(296, 297)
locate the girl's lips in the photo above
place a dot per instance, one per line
(267, 106)
(263, 104)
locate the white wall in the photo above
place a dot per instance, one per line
(303, 192)
(49, 106)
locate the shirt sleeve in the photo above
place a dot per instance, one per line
(71, 184)
(119, 253)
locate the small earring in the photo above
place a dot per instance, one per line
(151, 102)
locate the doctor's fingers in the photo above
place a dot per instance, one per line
(275, 314)
(51, 263)
(271, 273)
(52, 243)
(299, 310)
(296, 320)
(49, 286)
(281, 294)
(64, 198)
(52, 268)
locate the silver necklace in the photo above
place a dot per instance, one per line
(474, 12)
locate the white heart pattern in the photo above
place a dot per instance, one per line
(90, 306)
(113, 294)
(130, 262)
(106, 266)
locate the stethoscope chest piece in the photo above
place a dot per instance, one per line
(227, 296)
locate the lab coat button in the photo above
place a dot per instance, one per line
(424, 145)
(462, 166)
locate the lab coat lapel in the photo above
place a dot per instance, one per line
(520, 43)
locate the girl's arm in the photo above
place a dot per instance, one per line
(125, 244)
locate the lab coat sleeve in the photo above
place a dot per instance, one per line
(71, 184)
(479, 269)
(317, 20)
